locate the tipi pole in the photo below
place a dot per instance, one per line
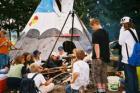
(59, 35)
(84, 30)
(73, 14)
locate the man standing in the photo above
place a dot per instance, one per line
(100, 56)
(5, 45)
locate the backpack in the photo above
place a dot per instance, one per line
(134, 60)
(28, 85)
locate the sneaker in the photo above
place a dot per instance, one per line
(123, 92)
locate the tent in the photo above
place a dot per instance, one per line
(44, 27)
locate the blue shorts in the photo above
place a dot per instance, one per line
(4, 60)
(70, 90)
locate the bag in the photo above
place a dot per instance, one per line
(134, 60)
(28, 85)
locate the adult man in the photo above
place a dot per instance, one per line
(5, 44)
(100, 55)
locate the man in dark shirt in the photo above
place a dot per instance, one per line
(100, 38)
(100, 55)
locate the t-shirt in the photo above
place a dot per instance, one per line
(101, 37)
(5, 48)
(39, 79)
(125, 37)
(15, 71)
(82, 68)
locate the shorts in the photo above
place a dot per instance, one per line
(99, 71)
(68, 89)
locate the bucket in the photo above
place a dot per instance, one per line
(113, 83)
(138, 73)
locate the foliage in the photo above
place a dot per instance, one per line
(18, 10)
(108, 11)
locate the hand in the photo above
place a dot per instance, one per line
(6, 43)
(98, 58)
(68, 79)
(50, 80)
(46, 69)
(65, 82)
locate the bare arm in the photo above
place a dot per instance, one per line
(97, 50)
(4, 43)
(75, 76)
(48, 81)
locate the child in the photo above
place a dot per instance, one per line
(40, 82)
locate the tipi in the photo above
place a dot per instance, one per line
(45, 25)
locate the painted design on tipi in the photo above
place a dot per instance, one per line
(33, 21)
(45, 6)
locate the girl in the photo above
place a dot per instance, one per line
(28, 60)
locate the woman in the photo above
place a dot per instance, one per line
(80, 73)
(28, 61)
(127, 40)
(15, 68)
(14, 74)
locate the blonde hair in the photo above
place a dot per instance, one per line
(94, 21)
(80, 54)
(34, 67)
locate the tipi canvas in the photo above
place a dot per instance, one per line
(43, 29)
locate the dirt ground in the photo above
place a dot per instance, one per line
(91, 88)
(61, 89)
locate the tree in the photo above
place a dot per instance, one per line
(17, 10)
(108, 11)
